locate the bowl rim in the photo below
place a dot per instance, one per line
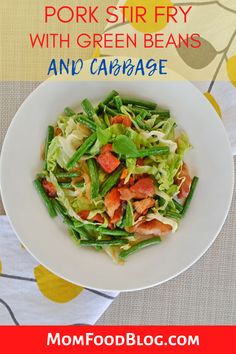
(11, 126)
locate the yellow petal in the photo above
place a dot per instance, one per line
(96, 53)
(231, 69)
(214, 103)
(55, 288)
(150, 26)
(0, 266)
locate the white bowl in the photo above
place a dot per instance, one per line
(47, 239)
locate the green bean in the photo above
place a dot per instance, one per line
(90, 111)
(88, 108)
(138, 246)
(110, 181)
(160, 120)
(161, 150)
(115, 232)
(178, 206)
(109, 97)
(68, 185)
(118, 102)
(93, 171)
(190, 195)
(95, 243)
(75, 236)
(121, 223)
(82, 150)
(106, 120)
(69, 112)
(137, 110)
(79, 184)
(79, 223)
(129, 216)
(163, 113)
(173, 215)
(47, 201)
(59, 208)
(98, 248)
(83, 119)
(63, 175)
(106, 231)
(50, 136)
(69, 222)
(42, 175)
(139, 119)
(91, 227)
(111, 105)
(139, 103)
(65, 185)
(84, 233)
(110, 111)
(81, 230)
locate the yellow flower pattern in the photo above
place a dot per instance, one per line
(214, 103)
(54, 288)
(231, 69)
(150, 25)
(213, 60)
(96, 52)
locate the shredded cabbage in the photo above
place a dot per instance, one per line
(183, 144)
(61, 197)
(60, 151)
(131, 165)
(156, 136)
(168, 128)
(63, 147)
(167, 169)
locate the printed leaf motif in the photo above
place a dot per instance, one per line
(150, 26)
(54, 288)
(214, 103)
(197, 58)
(231, 69)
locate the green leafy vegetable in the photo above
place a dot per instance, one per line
(104, 135)
(124, 146)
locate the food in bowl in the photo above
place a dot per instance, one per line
(116, 174)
